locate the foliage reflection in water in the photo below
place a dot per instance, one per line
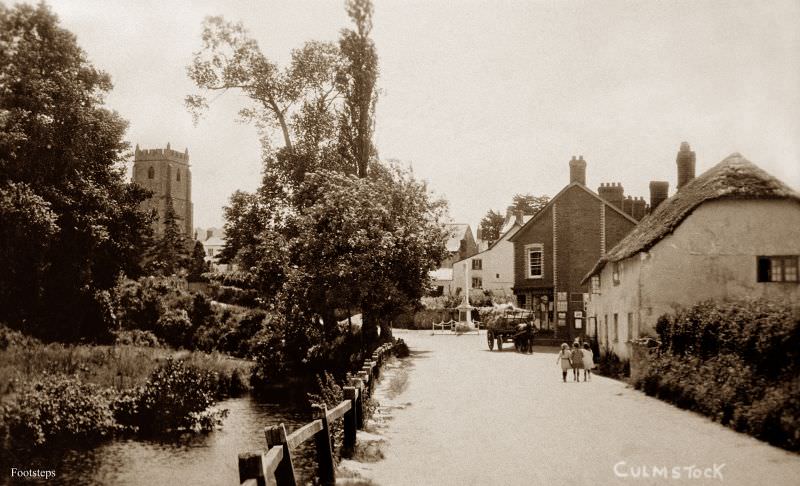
(188, 458)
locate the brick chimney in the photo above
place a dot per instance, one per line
(613, 193)
(686, 162)
(627, 206)
(577, 170)
(518, 217)
(639, 208)
(659, 192)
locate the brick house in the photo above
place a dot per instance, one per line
(558, 246)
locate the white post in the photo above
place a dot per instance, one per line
(466, 281)
(467, 285)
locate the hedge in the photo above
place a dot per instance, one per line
(736, 362)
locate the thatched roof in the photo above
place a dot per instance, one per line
(733, 178)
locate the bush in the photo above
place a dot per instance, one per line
(176, 396)
(400, 349)
(330, 394)
(59, 408)
(610, 365)
(237, 296)
(10, 337)
(135, 337)
(736, 362)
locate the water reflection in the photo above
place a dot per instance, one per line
(199, 459)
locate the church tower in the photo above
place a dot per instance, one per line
(166, 172)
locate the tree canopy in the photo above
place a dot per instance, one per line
(70, 221)
(528, 203)
(331, 230)
(491, 224)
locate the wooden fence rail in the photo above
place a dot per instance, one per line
(275, 466)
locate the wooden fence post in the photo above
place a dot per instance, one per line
(284, 473)
(250, 467)
(322, 439)
(350, 421)
(359, 405)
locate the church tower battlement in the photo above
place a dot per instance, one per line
(166, 172)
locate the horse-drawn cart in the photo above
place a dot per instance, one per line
(511, 325)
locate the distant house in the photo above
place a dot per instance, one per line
(213, 240)
(212, 247)
(459, 245)
(733, 232)
(555, 249)
(493, 268)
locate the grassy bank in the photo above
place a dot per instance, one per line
(51, 392)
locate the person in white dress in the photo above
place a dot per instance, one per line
(588, 361)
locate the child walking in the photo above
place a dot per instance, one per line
(588, 361)
(577, 361)
(565, 360)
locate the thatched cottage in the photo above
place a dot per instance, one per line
(733, 232)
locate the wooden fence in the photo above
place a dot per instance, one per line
(275, 467)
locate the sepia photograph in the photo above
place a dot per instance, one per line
(399, 242)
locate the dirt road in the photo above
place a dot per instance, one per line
(471, 416)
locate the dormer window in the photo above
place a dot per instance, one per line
(151, 173)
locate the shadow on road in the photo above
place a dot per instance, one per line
(418, 354)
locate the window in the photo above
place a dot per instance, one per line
(605, 329)
(533, 255)
(477, 264)
(521, 301)
(477, 282)
(596, 284)
(497, 276)
(178, 175)
(777, 268)
(630, 327)
(576, 297)
(151, 173)
(615, 273)
(210, 252)
(615, 335)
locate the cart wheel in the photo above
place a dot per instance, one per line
(490, 340)
(500, 342)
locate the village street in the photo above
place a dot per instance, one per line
(471, 416)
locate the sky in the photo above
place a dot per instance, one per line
(484, 99)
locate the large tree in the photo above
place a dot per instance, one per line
(197, 263)
(331, 228)
(491, 224)
(169, 252)
(71, 223)
(356, 81)
(528, 203)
